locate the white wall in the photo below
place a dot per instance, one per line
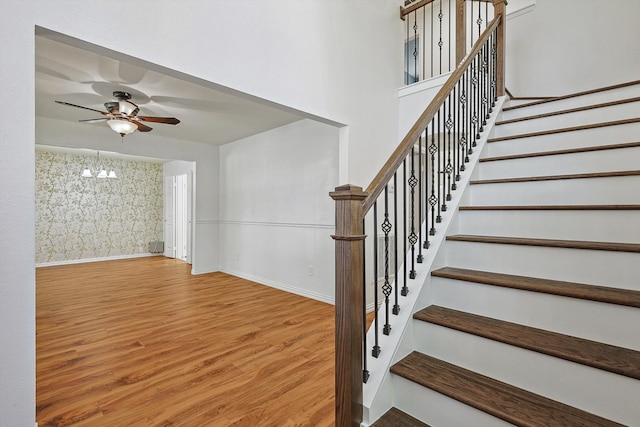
(566, 46)
(275, 214)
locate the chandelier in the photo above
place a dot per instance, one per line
(99, 171)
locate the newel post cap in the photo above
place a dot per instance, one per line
(348, 192)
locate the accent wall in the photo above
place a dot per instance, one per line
(80, 218)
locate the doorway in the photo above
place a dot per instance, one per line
(177, 216)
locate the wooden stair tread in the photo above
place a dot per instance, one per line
(499, 399)
(560, 152)
(621, 361)
(568, 111)
(551, 243)
(396, 418)
(557, 177)
(545, 100)
(604, 294)
(549, 207)
(562, 130)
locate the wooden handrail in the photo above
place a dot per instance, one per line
(404, 11)
(402, 151)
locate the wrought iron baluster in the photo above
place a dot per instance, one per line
(425, 176)
(440, 42)
(413, 238)
(449, 39)
(433, 200)
(416, 77)
(484, 86)
(463, 121)
(449, 167)
(431, 41)
(405, 237)
(471, 26)
(420, 258)
(476, 100)
(440, 170)
(479, 21)
(376, 347)
(494, 68)
(365, 371)
(396, 306)
(386, 228)
(454, 136)
(424, 43)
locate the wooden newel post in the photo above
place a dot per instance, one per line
(499, 7)
(349, 304)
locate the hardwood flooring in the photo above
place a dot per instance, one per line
(142, 342)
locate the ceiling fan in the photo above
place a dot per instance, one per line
(122, 115)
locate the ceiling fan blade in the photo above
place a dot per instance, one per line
(102, 119)
(141, 127)
(80, 106)
(166, 120)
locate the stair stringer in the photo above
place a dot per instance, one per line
(378, 390)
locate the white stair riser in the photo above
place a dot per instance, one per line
(437, 409)
(584, 191)
(595, 98)
(594, 225)
(600, 392)
(564, 140)
(607, 323)
(593, 161)
(605, 268)
(597, 115)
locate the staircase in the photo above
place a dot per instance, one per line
(534, 318)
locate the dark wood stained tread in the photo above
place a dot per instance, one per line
(549, 243)
(396, 418)
(551, 208)
(621, 361)
(557, 177)
(560, 152)
(568, 111)
(563, 130)
(504, 401)
(572, 95)
(603, 294)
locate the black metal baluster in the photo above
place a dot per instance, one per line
(471, 26)
(494, 69)
(449, 167)
(412, 236)
(431, 42)
(406, 56)
(376, 348)
(476, 100)
(405, 237)
(386, 228)
(365, 371)
(426, 243)
(485, 84)
(449, 40)
(479, 21)
(463, 121)
(416, 77)
(440, 171)
(424, 43)
(433, 200)
(454, 141)
(420, 258)
(396, 306)
(440, 43)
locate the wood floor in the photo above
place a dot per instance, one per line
(142, 342)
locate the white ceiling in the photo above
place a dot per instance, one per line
(77, 72)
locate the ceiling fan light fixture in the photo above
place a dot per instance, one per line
(112, 174)
(127, 108)
(102, 174)
(123, 127)
(86, 173)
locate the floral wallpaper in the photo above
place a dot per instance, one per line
(79, 218)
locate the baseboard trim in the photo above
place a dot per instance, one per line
(83, 260)
(281, 286)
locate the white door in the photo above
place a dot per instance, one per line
(181, 220)
(169, 217)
